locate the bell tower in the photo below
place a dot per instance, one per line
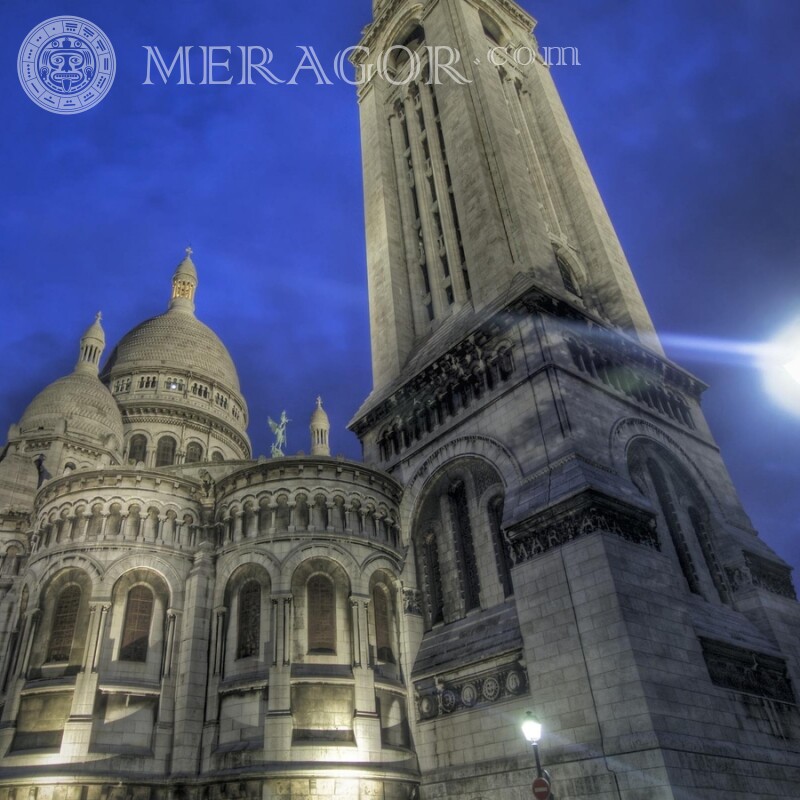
(566, 509)
(473, 177)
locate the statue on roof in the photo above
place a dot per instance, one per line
(279, 429)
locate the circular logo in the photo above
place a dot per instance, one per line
(66, 65)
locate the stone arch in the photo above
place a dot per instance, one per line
(80, 561)
(329, 550)
(376, 562)
(133, 644)
(575, 270)
(481, 447)
(403, 24)
(12, 557)
(383, 620)
(451, 526)
(246, 630)
(171, 577)
(683, 513)
(61, 636)
(624, 433)
(321, 590)
(134, 440)
(241, 558)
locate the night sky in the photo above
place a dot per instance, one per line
(688, 112)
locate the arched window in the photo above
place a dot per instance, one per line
(217, 456)
(165, 452)
(249, 633)
(136, 628)
(65, 617)
(137, 450)
(433, 579)
(194, 453)
(465, 547)
(321, 615)
(383, 629)
(567, 275)
(668, 508)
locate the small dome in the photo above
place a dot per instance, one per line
(320, 427)
(80, 401)
(174, 340)
(186, 269)
(319, 416)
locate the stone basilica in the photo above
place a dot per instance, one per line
(542, 521)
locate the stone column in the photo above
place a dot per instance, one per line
(366, 723)
(191, 663)
(169, 643)
(278, 726)
(78, 728)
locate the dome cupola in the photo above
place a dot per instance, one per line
(78, 407)
(320, 429)
(173, 377)
(184, 284)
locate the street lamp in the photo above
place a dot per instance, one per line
(532, 731)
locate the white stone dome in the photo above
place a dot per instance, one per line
(82, 403)
(175, 340)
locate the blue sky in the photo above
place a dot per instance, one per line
(688, 112)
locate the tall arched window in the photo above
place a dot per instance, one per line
(137, 450)
(136, 629)
(567, 275)
(432, 578)
(674, 527)
(465, 548)
(165, 451)
(249, 628)
(321, 615)
(194, 453)
(383, 629)
(65, 617)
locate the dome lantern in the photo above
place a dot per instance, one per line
(184, 284)
(93, 343)
(320, 429)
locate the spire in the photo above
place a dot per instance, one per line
(320, 428)
(184, 283)
(93, 343)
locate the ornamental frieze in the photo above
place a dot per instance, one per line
(440, 697)
(580, 516)
(747, 671)
(762, 573)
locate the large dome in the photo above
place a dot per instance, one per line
(83, 403)
(178, 340)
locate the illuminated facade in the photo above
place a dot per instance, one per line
(542, 521)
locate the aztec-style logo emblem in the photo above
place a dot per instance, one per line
(66, 65)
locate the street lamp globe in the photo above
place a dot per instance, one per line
(532, 728)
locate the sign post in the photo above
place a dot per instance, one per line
(541, 788)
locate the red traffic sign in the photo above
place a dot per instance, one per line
(541, 788)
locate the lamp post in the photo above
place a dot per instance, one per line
(532, 731)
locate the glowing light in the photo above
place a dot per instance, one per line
(532, 728)
(781, 368)
(793, 368)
